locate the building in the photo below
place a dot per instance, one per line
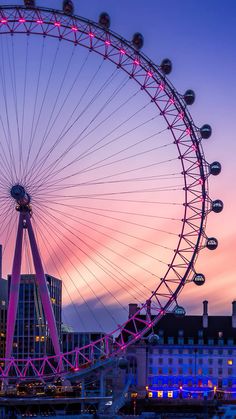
(31, 338)
(72, 340)
(3, 316)
(195, 357)
(3, 309)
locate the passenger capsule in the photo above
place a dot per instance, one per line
(179, 311)
(29, 3)
(104, 20)
(217, 206)
(212, 243)
(189, 97)
(68, 7)
(215, 168)
(123, 363)
(153, 339)
(199, 279)
(206, 131)
(166, 66)
(138, 41)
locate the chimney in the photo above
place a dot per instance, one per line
(205, 314)
(133, 307)
(234, 314)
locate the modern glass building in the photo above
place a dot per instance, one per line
(3, 315)
(32, 338)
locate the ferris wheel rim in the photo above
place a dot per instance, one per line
(146, 65)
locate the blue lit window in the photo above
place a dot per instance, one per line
(170, 340)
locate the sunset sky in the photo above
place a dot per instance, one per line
(199, 38)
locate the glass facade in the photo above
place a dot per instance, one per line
(32, 338)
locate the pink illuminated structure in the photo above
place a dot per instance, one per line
(143, 185)
(23, 206)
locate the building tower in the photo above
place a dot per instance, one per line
(31, 336)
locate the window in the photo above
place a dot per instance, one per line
(220, 371)
(170, 340)
(230, 371)
(199, 371)
(220, 334)
(200, 342)
(160, 361)
(200, 361)
(230, 362)
(159, 370)
(210, 371)
(210, 361)
(220, 361)
(180, 361)
(231, 343)
(220, 351)
(180, 341)
(170, 361)
(181, 333)
(221, 342)
(180, 370)
(190, 361)
(190, 371)
(190, 341)
(210, 342)
(170, 371)
(200, 333)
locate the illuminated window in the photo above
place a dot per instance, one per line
(160, 394)
(230, 362)
(170, 394)
(150, 394)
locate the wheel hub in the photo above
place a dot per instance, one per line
(21, 197)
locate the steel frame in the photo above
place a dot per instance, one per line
(195, 171)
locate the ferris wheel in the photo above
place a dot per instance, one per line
(103, 172)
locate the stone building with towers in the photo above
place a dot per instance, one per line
(193, 357)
